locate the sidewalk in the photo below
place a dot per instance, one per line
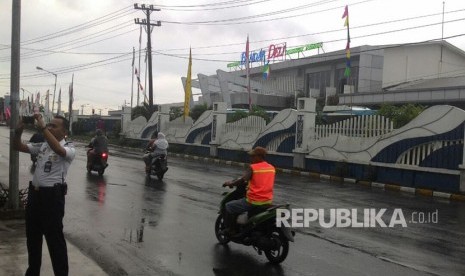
(13, 254)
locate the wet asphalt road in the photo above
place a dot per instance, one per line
(134, 226)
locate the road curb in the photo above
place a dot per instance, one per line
(333, 178)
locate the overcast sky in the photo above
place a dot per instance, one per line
(94, 39)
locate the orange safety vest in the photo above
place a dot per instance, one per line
(260, 187)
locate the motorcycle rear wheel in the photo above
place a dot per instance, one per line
(278, 254)
(219, 227)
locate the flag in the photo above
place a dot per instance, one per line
(37, 99)
(7, 113)
(59, 102)
(266, 71)
(188, 89)
(247, 71)
(70, 104)
(36, 104)
(346, 24)
(133, 55)
(138, 80)
(47, 104)
(346, 15)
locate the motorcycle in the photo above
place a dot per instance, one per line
(256, 228)
(158, 167)
(99, 162)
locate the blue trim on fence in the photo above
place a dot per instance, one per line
(191, 137)
(190, 149)
(207, 138)
(233, 155)
(419, 179)
(267, 138)
(391, 153)
(449, 157)
(148, 131)
(279, 161)
(287, 145)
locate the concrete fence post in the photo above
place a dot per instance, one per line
(305, 129)
(125, 119)
(218, 121)
(163, 118)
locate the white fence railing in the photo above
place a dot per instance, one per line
(360, 126)
(249, 124)
(416, 155)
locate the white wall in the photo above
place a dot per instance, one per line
(413, 62)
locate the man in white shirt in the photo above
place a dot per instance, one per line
(46, 197)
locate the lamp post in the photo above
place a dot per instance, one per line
(25, 90)
(54, 89)
(82, 108)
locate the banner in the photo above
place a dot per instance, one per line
(346, 24)
(188, 89)
(70, 105)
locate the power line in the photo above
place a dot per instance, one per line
(225, 21)
(236, 5)
(49, 50)
(205, 5)
(80, 27)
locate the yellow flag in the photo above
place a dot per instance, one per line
(188, 89)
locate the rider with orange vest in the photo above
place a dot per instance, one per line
(260, 181)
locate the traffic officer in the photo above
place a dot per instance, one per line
(46, 198)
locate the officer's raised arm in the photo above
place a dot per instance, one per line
(17, 143)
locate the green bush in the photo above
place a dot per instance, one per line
(401, 115)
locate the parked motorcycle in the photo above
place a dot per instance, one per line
(158, 167)
(256, 228)
(99, 162)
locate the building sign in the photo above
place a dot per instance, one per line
(304, 48)
(253, 57)
(275, 51)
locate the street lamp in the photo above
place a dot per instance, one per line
(82, 108)
(54, 89)
(25, 90)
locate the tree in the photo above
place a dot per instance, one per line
(260, 112)
(176, 112)
(141, 110)
(198, 110)
(236, 116)
(401, 115)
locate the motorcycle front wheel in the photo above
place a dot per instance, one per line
(281, 249)
(219, 227)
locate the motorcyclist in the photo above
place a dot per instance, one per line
(155, 148)
(259, 177)
(97, 145)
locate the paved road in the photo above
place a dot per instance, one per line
(132, 226)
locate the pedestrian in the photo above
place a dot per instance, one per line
(46, 197)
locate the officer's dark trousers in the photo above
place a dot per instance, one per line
(44, 217)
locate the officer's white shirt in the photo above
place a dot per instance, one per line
(49, 174)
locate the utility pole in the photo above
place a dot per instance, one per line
(13, 199)
(148, 29)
